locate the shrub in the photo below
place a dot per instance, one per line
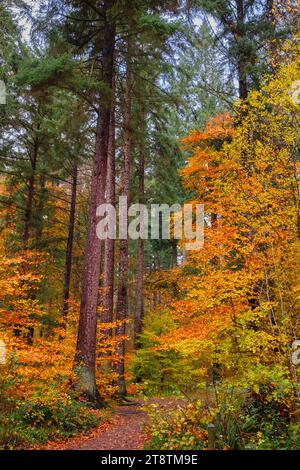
(182, 429)
(44, 416)
(258, 417)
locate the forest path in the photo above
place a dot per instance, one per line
(124, 430)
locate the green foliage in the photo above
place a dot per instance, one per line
(178, 430)
(65, 416)
(158, 25)
(48, 414)
(256, 418)
(44, 71)
(155, 367)
(245, 29)
(9, 378)
(253, 418)
(162, 371)
(45, 416)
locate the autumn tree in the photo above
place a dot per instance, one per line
(235, 296)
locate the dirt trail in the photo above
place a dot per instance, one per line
(124, 431)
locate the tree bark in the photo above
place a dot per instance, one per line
(40, 211)
(242, 73)
(31, 187)
(69, 250)
(139, 292)
(121, 308)
(85, 358)
(109, 249)
(174, 255)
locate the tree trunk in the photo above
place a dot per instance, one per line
(40, 211)
(85, 359)
(31, 187)
(69, 250)
(241, 65)
(121, 308)
(243, 86)
(139, 293)
(174, 255)
(109, 254)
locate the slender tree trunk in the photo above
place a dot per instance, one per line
(121, 308)
(243, 86)
(241, 66)
(273, 46)
(157, 267)
(109, 254)
(28, 222)
(85, 358)
(174, 254)
(30, 195)
(69, 250)
(40, 210)
(139, 292)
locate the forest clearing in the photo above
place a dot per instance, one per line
(149, 225)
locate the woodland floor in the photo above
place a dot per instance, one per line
(125, 430)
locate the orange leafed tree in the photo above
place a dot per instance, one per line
(237, 303)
